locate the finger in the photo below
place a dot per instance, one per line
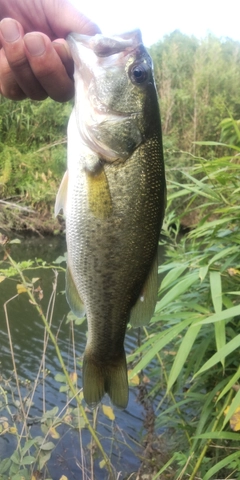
(9, 88)
(48, 66)
(11, 33)
(63, 18)
(63, 51)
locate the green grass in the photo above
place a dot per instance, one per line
(190, 351)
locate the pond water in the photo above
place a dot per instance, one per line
(122, 438)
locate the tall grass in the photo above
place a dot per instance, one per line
(191, 347)
(195, 333)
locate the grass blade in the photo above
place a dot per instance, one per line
(177, 290)
(216, 293)
(218, 356)
(182, 354)
(226, 461)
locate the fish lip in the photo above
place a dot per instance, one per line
(106, 46)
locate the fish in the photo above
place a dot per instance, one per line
(113, 199)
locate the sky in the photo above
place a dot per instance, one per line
(157, 18)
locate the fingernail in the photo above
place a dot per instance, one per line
(9, 29)
(35, 44)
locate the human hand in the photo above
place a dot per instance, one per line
(35, 60)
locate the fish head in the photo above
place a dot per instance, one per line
(115, 94)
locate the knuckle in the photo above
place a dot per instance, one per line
(12, 91)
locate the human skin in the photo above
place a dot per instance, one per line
(35, 60)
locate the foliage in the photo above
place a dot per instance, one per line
(192, 344)
(198, 85)
(35, 441)
(32, 149)
(195, 333)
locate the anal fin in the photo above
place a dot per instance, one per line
(72, 295)
(144, 308)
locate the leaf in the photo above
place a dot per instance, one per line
(21, 288)
(5, 465)
(182, 354)
(216, 293)
(15, 240)
(108, 411)
(59, 377)
(28, 460)
(28, 445)
(50, 413)
(47, 446)
(220, 436)
(35, 279)
(176, 291)
(60, 259)
(229, 385)
(15, 457)
(63, 477)
(73, 377)
(133, 381)
(102, 463)
(217, 357)
(161, 341)
(64, 388)
(13, 430)
(44, 459)
(203, 272)
(233, 412)
(73, 318)
(224, 315)
(235, 420)
(172, 275)
(223, 463)
(53, 433)
(216, 290)
(232, 271)
(2, 277)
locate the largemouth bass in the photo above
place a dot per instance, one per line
(113, 198)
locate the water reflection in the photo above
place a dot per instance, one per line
(27, 333)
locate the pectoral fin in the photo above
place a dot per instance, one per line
(99, 197)
(61, 197)
(72, 295)
(143, 309)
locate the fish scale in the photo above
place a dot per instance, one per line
(113, 198)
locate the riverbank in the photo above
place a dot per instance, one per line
(20, 218)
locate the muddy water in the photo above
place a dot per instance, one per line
(122, 438)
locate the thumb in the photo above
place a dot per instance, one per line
(64, 18)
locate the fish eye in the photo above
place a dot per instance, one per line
(138, 73)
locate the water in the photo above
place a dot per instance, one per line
(121, 438)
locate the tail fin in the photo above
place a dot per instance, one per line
(100, 378)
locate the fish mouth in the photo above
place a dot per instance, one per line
(107, 46)
(112, 50)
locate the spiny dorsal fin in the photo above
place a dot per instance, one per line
(61, 197)
(143, 309)
(99, 196)
(72, 295)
